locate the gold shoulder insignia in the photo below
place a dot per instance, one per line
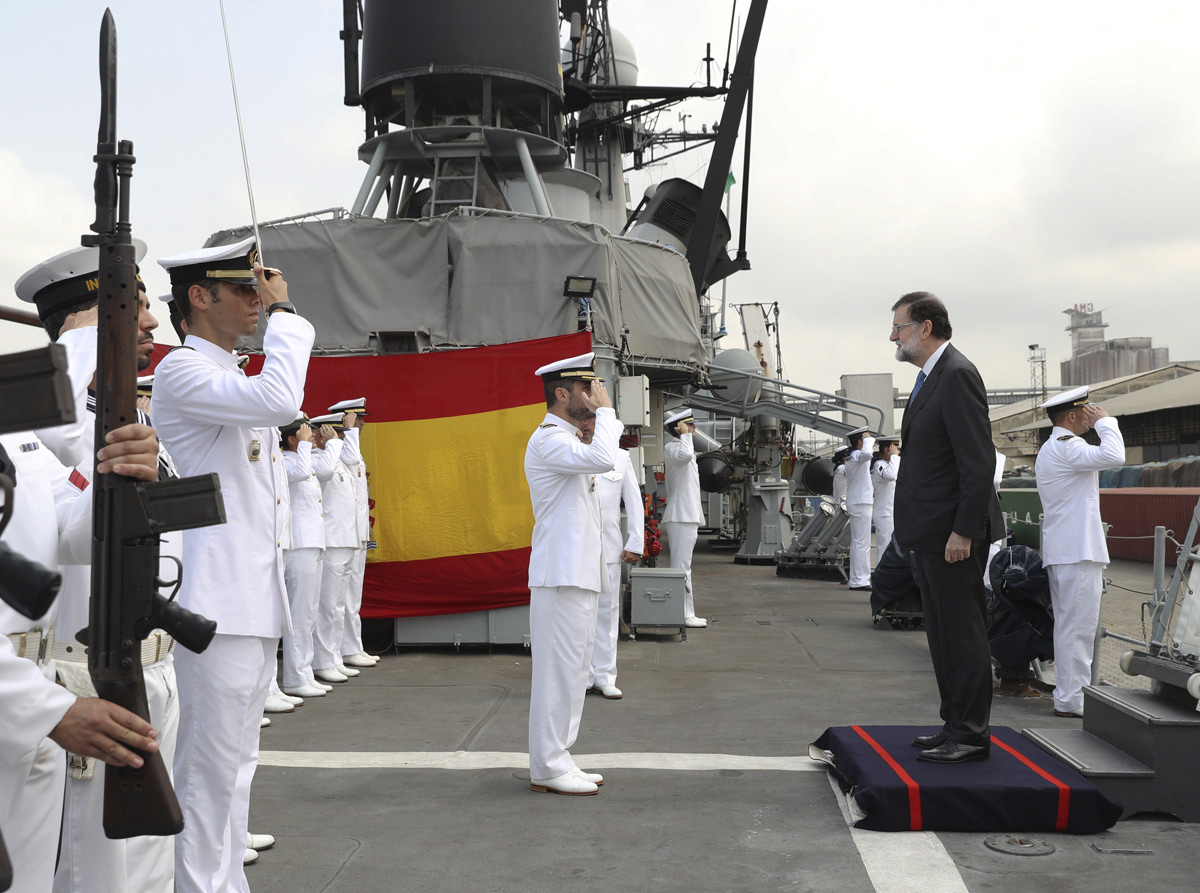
(1066, 436)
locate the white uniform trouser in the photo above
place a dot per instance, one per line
(89, 861)
(562, 625)
(352, 628)
(31, 790)
(327, 637)
(883, 532)
(608, 619)
(221, 695)
(1075, 592)
(681, 540)
(302, 576)
(860, 543)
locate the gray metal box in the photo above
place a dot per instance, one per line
(656, 598)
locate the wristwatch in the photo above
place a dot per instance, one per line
(285, 306)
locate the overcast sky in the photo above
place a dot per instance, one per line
(1016, 158)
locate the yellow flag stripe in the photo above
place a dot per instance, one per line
(450, 486)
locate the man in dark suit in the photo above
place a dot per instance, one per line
(946, 514)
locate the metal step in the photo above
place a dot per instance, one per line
(1149, 728)
(1142, 706)
(1090, 756)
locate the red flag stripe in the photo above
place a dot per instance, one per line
(1064, 790)
(914, 789)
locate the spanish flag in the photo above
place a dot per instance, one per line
(445, 448)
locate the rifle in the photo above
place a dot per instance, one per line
(128, 515)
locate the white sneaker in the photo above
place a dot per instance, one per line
(259, 841)
(265, 722)
(309, 690)
(694, 622)
(358, 660)
(594, 777)
(348, 672)
(278, 705)
(567, 783)
(607, 690)
(330, 675)
(250, 857)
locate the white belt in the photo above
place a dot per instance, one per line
(34, 645)
(155, 647)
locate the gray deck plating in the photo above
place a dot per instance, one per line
(781, 660)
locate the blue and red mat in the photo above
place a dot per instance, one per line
(1020, 788)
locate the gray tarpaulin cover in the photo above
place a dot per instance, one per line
(473, 280)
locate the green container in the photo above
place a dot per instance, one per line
(1023, 516)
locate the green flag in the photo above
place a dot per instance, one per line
(729, 181)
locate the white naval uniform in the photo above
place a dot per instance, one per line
(302, 563)
(684, 512)
(612, 487)
(31, 703)
(883, 481)
(88, 860)
(214, 419)
(341, 542)
(839, 485)
(352, 627)
(566, 575)
(72, 444)
(1074, 551)
(859, 500)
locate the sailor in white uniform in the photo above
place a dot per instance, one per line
(839, 477)
(302, 563)
(1074, 551)
(215, 419)
(353, 654)
(88, 860)
(884, 467)
(615, 486)
(684, 512)
(566, 565)
(859, 502)
(341, 541)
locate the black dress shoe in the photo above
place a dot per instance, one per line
(953, 752)
(860, 589)
(927, 742)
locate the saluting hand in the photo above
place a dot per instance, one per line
(97, 728)
(272, 289)
(305, 434)
(596, 396)
(132, 450)
(1093, 413)
(81, 318)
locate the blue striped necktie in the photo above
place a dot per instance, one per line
(917, 387)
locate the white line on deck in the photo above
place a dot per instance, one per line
(902, 862)
(474, 759)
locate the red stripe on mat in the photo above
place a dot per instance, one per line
(914, 789)
(1064, 791)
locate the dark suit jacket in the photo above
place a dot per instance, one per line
(949, 462)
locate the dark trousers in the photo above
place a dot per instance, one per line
(955, 603)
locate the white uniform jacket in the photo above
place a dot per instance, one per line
(358, 471)
(308, 525)
(883, 481)
(31, 703)
(283, 495)
(839, 484)
(209, 414)
(683, 482)
(1068, 483)
(858, 474)
(566, 547)
(71, 443)
(341, 513)
(614, 486)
